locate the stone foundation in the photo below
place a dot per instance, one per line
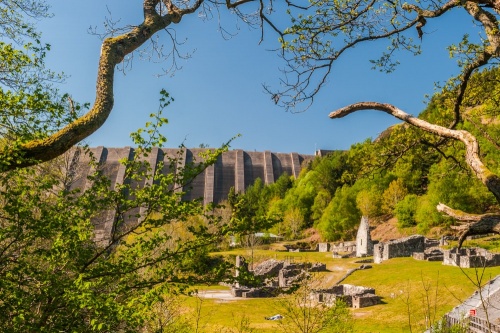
(432, 254)
(275, 274)
(470, 258)
(353, 296)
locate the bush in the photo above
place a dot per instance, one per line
(405, 211)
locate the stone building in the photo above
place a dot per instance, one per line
(364, 244)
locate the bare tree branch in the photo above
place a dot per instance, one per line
(114, 50)
(473, 224)
(472, 157)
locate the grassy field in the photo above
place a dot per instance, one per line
(411, 290)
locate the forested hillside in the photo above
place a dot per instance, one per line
(405, 173)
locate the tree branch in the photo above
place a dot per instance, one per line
(113, 51)
(472, 224)
(472, 157)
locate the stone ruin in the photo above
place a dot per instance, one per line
(280, 275)
(364, 244)
(354, 296)
(416, 246)
(403, 247)
(431, 254)
(324, 247)
(344, 249)
(470, 258)
(361, 247)
(275, 275)
(432, 251)
(299, 248)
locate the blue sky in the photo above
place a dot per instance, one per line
(218, 92)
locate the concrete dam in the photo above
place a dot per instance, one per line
(236, 168)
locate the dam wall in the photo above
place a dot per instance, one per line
(234, 168)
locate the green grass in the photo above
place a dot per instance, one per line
(400, 282)
(218, 315)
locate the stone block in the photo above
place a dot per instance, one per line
(324, 247)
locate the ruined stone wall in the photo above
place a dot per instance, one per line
(378, 253)
(344, 247)
(363, 301)
(324, 247)
(403, 247)
(353, 296)
(350, 289)
(268, 268)
(470, 258)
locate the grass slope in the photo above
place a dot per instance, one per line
(413, 292)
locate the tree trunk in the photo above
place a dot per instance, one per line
(472, 224)
(113, 51)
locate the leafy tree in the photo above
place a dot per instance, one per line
(313, 190)
(293, 221)
(368, 202)
(324, 31)
(276, 210)
(327, 172)
(392, 195)
(301, 196)
(279, 188)
(405, 211)
(341, 216)
(427, 216)
(54, 276)
(321, 201)
(249, 209)
(249, 215)
(457, 188)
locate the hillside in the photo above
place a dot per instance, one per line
(404, 174)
